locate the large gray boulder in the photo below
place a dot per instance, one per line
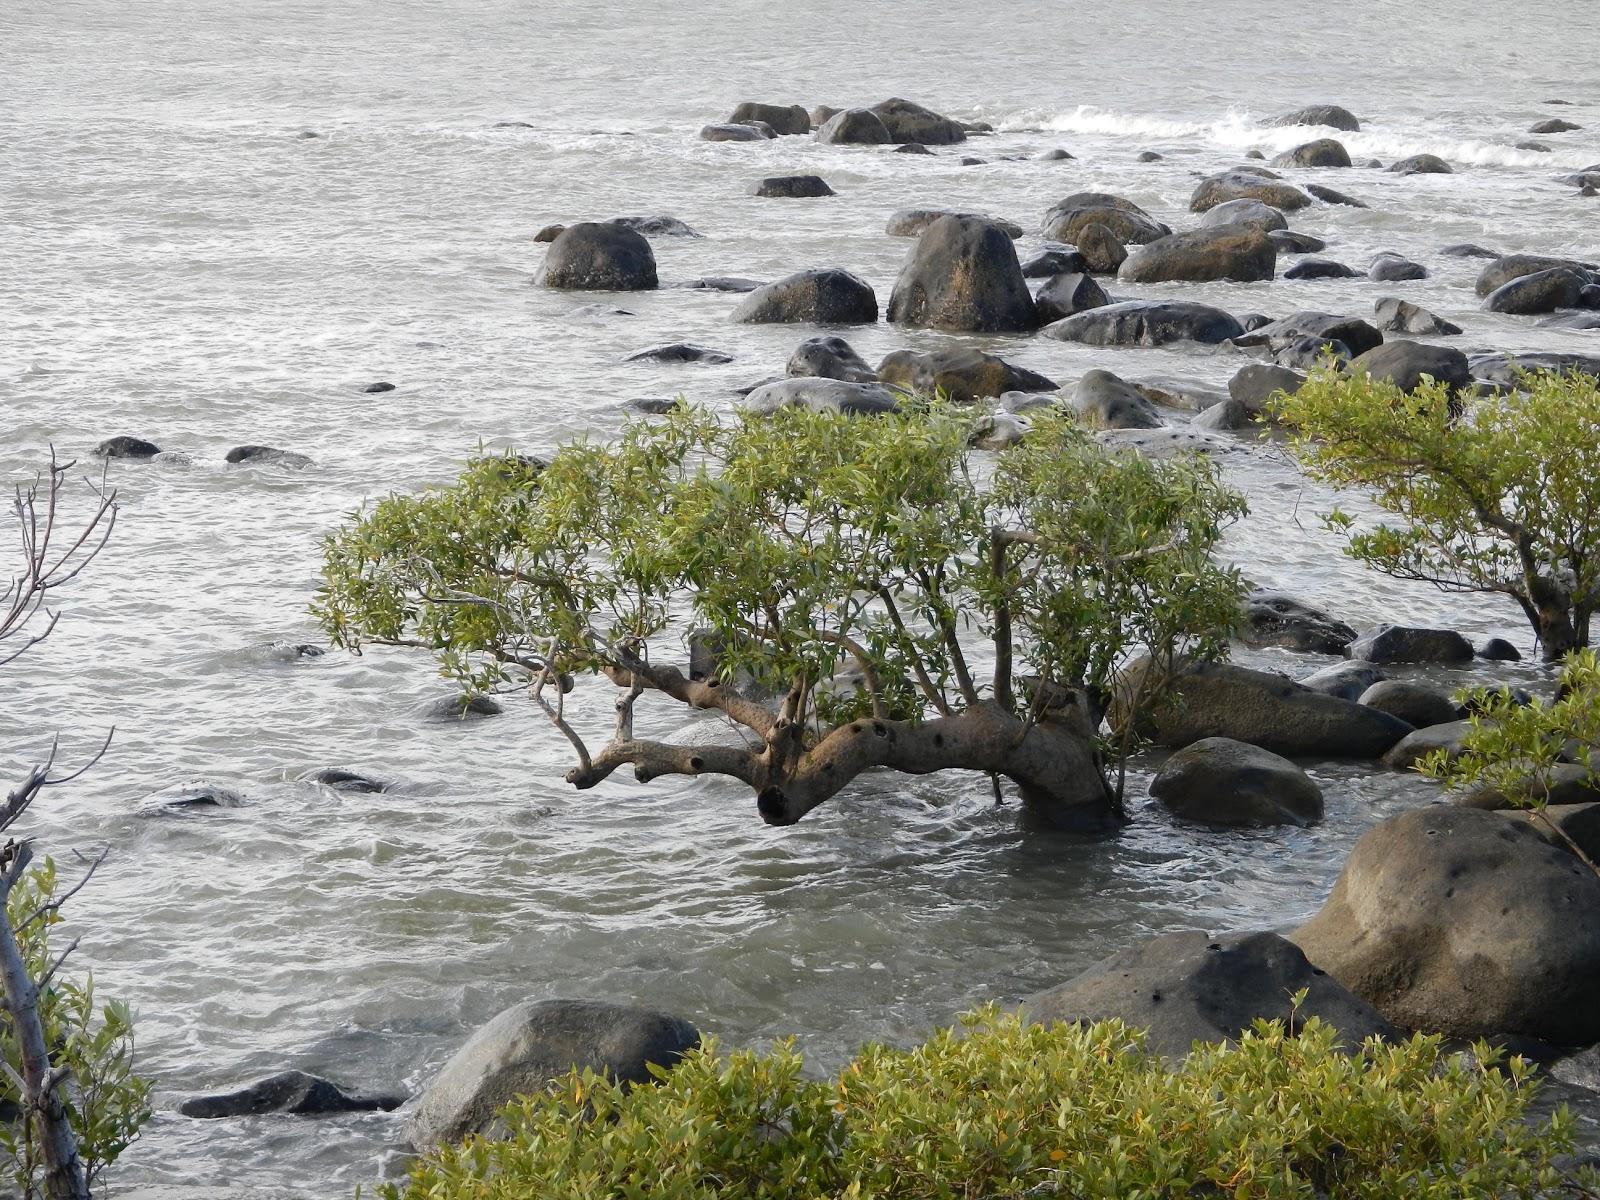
(1067, 295)
(1324, 152)
(1406, 363)
(1255, 384)
(1354, 334)
(1389, 267)
(1146, 323)
(1069, 218)
(1395, 315)
(1106, 401)
(530, 1045)
(854, 127)
(829, 358)
(1246, 212)
(1386, 644)
(1191, 987)
(1462, 922)
(1414, 703)
(781, 118)
(1271, 618)
(1539, 293)
(1219, 781)
(822, 395)
(910, 123)
(962, 373)
(1330, 115)
(829, 296)
(1515, 266)
(1240, 252)
(963, 275)
(599, 256)
(1270, 711)
(1244, 183)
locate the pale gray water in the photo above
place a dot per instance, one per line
(179, 265)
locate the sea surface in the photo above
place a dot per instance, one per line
(178, 262)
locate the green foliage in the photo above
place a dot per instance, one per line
(802, 544)
(1500, 498)
(1002, 1109)
(106, 1102)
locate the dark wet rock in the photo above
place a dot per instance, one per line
(1579, 321)
(782, 119)
(462, 708)
(963, 275)
(1421, 164)
(1255, 384)
(341, 780)
(791, 187)
(1309, 353)
(1447, 737)
(1355, 334)
(1466, 250)
(1190, 987)
(373, 389)
(1266, 710)
(912, 148)
(829, 358)
(1393, 268)
(854, 127)
(1246, 212)
(744, 132)
(1149, 156)
(1242, 253)
(1255, 154)
(293, 1092)
(1056, 155)
(1254, 321)
(1555, 125)
(1324, 152)
(1065, 295)
(1106, 401)
(653, 406)
(1218, 781)
(680, 352)
(1329, 196)
(549, 233)
(1319, 268)
(828, 296)
(1146, 323)
(1536, 147)
(1050, 263)
(123, 446)
(1102, 250)
(1289, 242)
(308, 134)
(657, 226)
(1465, 923)
(963, 374)
(973, 162)
(1405, 364)
(596, 256)
(1271, 618)
(907, 121)
(720, 283)
(1247, 184)
(1497, 649)
(822, 395)
(1504, 369)
(264, 455)
(1541, 292)
(911, 222)
(1068, 218)
(529, 1046)
(192, 796)
(1346, 680)
(1330, 115)
(1401, 316)
(1225, 416)
(1414, 703)
(1410, 644)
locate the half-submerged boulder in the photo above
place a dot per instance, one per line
(293, 1092)
(910, 123)
(1414, 703)
(780, 118)
(1102, 250)
(1106, 401)
(1411, 644)
(1515, 266)
(744, 132)
(1219, 781)
(1353, 334)
(599, 256)
(1330, 115)
(854, 127)
(1406, 364)
(1068, 218)
(1249, 212)
(826, 296)
(1240, 252)
(123, 446)
(1252, 183)
(528, 1046)
(823, 395)
(1191, 987)
(962, 374)
(1401, 316)
(791, 187)
(1319, 268)
(1421, 164)
(1539, 293)
(910, 222)
(1255, 384)
(963, 275)
(1147, 323)
(1324, 152)
(829, 358)
(1462, 922)
(1271, 618)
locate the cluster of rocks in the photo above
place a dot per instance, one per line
(136, 448)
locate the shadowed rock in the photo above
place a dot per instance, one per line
(292, 1092)
(1218, 781)
(1102, 400)
(1329, 196)
(1319, 268)
(1401, 316)
(963, 275)
(854, 127)
(1050, 263)
(1147, 323)
(1331, 115)
(1068, 294)
(261, 455)
(1242, 253)
(1405, 364)
(1414, 703)
(1421, 164)
(1289, 241)
(1410, 644)
(829, 296)
(1274, 619)
(829, 358)
(1255, 384)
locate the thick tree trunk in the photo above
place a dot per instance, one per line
(1549, 609)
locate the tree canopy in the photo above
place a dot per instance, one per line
(869, 592)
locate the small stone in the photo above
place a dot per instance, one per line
(123, 446)
(373, 389)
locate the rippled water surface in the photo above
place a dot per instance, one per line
(180, 264)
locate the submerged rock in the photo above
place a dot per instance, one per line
(1147, 323)
(341, 780)
(1246, 212)
(1324, 152)
(461, 708)
(783, 119)
(1106, 401)
(529, 1046)
(1346, 680)
(1290, 242)
(1331, 115)
(266, 455)
(1411, 644)
(1273, 619)
(1065, 295)
(1242, 183)
(961, 374)
(287, 1092)
(829, 296)
(373, 389)
(680, 352)
(829, 358)
(1219, 781)
(194, 795)
(1329, 196)
(1421, 164)
(822, 395)
(123, 446)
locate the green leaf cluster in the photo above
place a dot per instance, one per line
(107, 1102)
(1498, 497)
(998, 1108)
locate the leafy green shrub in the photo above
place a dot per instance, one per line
(1002, 1109)
(106, 1102)
(1500, 497)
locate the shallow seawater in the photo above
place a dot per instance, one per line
(180, 264)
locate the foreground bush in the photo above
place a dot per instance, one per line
(1003, 1109)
